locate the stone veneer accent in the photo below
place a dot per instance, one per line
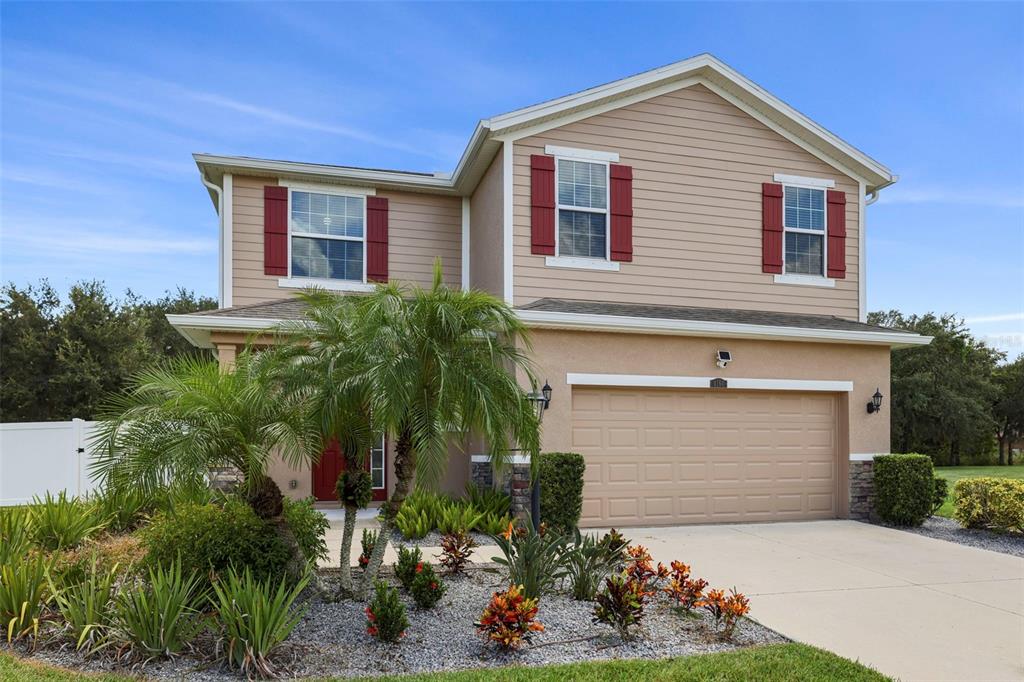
(862, 490)
(515, 482)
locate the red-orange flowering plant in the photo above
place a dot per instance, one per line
(684, 590)
(640, 569)
(510, 619)
(427, 588)
(726, 609)
(456, 548)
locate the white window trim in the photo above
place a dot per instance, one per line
(804, 181)
(295, 282)
(581, 154)
(579, 263)
(806, 280)
(606, 211)
(803, 278)
(384, 463)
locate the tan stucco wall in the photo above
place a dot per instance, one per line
(698, 164)
(421, 227)
(559, 352)
(486, 220)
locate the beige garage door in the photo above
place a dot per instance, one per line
(681, 456)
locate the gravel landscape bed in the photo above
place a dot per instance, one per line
(331, 639)
(432, 539)
(951, 531)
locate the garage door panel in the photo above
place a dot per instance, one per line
(678, 456)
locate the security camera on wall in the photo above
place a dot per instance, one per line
(723, 358)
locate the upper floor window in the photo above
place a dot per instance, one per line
(804, 225)
(327, 236)
(582, 209)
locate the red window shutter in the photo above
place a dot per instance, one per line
(836, 218)
(275, 230)
(376, 239)
(542, 205)
(621, 209)
(771, 233)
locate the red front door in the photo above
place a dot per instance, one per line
(331, 464)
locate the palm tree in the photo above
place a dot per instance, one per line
(176, 422)
(439, 361)
(317, 363)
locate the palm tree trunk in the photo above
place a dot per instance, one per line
(346, 551)
(405, 469)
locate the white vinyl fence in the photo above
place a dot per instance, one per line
(36, 457)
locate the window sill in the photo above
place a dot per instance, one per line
(806, 280)
(329, 284)
(581, 263)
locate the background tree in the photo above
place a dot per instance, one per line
(1008, 407)
(942, 393)
(60, 361)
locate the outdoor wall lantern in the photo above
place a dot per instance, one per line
(542, 400)
(876, 402)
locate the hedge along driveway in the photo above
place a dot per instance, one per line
(913, 607)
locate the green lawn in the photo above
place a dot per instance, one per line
(954, 474)
(775, 663)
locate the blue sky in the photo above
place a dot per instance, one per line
(102, 105)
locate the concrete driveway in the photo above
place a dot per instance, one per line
(911, 607)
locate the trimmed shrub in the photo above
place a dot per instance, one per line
(427, 588)
(561, 489)
(367, 543)
(939, 493)
(385, 616)
(989, 503)
(209, 538)
(405, 567)
(904, 488)
(309, 527)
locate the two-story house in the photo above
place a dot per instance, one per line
(687, 249)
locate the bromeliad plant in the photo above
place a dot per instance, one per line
(532, 557)
(385, 616)
(427, 588)
(254, 618)
(726, 609)
(456, 548)
(405, 567)
(510, 619)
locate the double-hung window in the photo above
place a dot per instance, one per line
(804, 225)
(328, 236)
(582, 209)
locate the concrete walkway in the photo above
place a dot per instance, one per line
(912, 607)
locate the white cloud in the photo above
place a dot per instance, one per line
(1006, 317)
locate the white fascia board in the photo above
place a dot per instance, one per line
(805, 181)
(197, 328)
(734, 383)
(642, 325)
(587, 154)
(394, 178)
(227, 243)
(465, 243)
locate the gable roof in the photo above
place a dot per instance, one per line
(490, 133)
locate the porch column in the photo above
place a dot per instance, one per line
(226, 354)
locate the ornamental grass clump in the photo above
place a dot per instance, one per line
(15, 534)
(385, 616)
(427, 588)
(726, 609)
(87, 606)
(159, 619)
(254, 617)
(510, 619)
(456, 548)
(405, 567)
(24, 594)
(62, 522)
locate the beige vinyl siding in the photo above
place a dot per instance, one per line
(421, 227)
(486, 219)
(698, 164)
